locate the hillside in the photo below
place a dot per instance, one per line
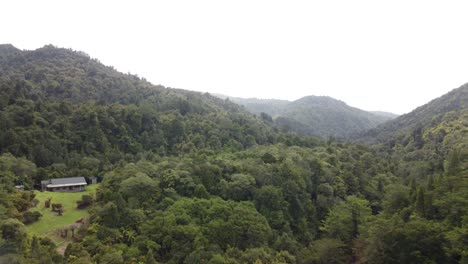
(423, 141)
(59, 106)
(191, 178)
(315, 115)
(423, 117)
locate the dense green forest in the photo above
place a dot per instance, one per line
(191, 178)
(315, 115)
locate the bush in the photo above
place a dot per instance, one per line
(86, 200)
(35, 202)
(31, 217)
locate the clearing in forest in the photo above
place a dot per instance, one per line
(50, 221)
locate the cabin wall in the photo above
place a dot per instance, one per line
(67, 189)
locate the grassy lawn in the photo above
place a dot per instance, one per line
(50, 221)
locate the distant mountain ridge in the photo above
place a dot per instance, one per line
(421, 118)
(315, 115)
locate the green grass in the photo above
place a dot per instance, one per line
(50, 222)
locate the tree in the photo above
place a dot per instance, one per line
(413, 190)
(345, 219)
(269, 201)
(201, 192)
(191, 224)
(57, 207)
(109, 215)
(452, 162)
(149, 258)
(241, 187)
(268, 158)
(430, 183)
(47, 202)
(142, 188)
(16, 171)
(420, 204)
(394, 241)
(111, 257)
(325, 251)
(14, 236)
(395, 198)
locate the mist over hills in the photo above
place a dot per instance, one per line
(315, 115)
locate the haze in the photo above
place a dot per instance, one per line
(375, 55)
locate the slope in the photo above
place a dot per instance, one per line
(423, 117)
(60, 108)
(189, 178)
(50, 222)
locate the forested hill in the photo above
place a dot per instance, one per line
(51, 73)
(58, 106)
(187, 177)
(423, 117)
(315, 115)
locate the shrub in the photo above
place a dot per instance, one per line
(35, 202)
(86, 200)
(31, 217)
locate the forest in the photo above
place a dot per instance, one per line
(187, 177)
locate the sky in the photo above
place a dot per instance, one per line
(375, 55)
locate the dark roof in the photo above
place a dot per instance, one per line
(65, 181)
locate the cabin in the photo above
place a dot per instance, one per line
(73, 184)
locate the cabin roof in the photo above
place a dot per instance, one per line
(63, 182)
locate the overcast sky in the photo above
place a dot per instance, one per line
(375, 55)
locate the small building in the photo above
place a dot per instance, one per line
(19, 187)
(73, 184)
(93, 180)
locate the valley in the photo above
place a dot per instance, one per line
(187, 177)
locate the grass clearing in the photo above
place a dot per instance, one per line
(51, 221)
